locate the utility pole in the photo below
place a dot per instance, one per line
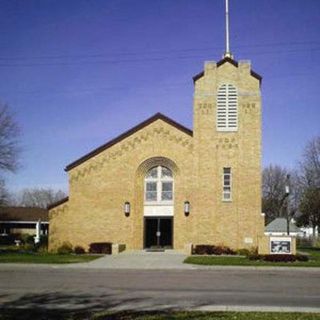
(287, 193)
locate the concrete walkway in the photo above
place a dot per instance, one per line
(170, 259)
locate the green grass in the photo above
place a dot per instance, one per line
(243, 261)
(18, 257)
(206, 316)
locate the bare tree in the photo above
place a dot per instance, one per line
(274, 179)
(310, 164)
(4, 195)
(9, 133)
(39, 197)
(309, 184)
(310, 209)
(9, 150)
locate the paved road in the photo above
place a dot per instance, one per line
(96, 289)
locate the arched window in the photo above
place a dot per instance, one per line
(227, 108)
(159, 185)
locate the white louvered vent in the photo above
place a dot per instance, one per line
(227, 108)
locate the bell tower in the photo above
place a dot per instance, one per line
(227, 152)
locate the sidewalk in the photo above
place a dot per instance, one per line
(139, 259)
(142, 260)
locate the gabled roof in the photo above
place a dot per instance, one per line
(157, 116)
(280, 225)
(57, 203)
(23, 214)
(223, 61)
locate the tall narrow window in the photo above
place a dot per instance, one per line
(227, 108)
(159, 185)
(226, 196)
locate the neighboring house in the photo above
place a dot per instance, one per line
(308, 232)
(161, 184)
(278, 227)
(23, 220)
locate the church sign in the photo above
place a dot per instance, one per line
(280, 245)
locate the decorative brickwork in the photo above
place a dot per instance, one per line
(102, 183)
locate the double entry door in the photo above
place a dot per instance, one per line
(158, 232)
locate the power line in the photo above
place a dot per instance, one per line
(143, 60)
(146, 52)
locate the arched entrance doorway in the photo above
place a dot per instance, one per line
(158, 207)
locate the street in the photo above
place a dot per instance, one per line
(97, 289)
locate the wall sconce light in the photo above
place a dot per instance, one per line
(127, 208)
(186, 208)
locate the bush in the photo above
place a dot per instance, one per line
(202, 249)
(101, 247)
(65, 248)
(302, 257)
(279, 258)
(27, 238)
(254, 254)
(243, 252)
(79, 250)
(28, 247)
(210, 249)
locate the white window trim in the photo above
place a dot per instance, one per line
(223, 186)
(159, 180)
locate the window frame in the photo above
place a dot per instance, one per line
(225, 174)
(159, 180)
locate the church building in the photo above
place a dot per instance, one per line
(162, 185)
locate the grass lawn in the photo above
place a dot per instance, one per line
(243, 261)
(18, 257)
(207, 316)
(29, 314)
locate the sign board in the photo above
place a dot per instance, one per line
(280, 245)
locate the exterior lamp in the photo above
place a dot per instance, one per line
(287, 188)
(127, 208)
(186, 208)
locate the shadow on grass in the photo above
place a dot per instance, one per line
(58, 306)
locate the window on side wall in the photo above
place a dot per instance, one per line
(226, 194)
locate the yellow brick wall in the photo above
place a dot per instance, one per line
(231, 222)
(100, 186)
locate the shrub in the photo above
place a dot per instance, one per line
(210, 249)
(302, 257)
(65, 248)
(79, 250)
(279, 258)
(101, 247)
(254, 254)
(243, 252)
(28, 247)
(27, 238)
(202, 249)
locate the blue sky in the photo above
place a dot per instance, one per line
(77, 73)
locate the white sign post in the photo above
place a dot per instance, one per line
(38, 230)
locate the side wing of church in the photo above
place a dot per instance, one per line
(163, 185)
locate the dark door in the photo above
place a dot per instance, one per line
(158, 232)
